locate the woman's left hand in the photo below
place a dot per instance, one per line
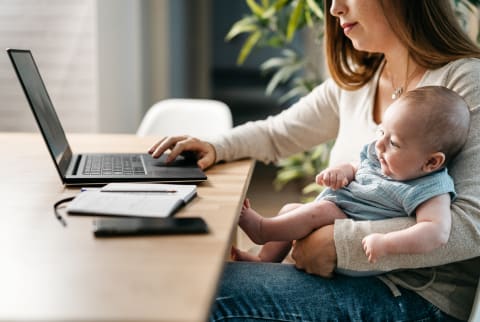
(316, 253)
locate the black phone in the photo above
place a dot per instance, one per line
(110, 227)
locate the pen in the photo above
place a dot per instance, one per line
(128, 190)
(132, 190)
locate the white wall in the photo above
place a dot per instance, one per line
(104, 62)
(61, 35)
(132, 61)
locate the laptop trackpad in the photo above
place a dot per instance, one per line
(180, 161)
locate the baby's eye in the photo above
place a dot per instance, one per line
(380, 132)
(392, 143)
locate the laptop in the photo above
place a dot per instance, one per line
(92, 168)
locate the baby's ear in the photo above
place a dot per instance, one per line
(434, 162)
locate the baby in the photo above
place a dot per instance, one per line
(402, 173)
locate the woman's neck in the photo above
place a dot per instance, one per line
(398, 65)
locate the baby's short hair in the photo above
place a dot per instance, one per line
(446, 115)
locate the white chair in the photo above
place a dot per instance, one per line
(201, 118)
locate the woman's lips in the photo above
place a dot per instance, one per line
(347, 27)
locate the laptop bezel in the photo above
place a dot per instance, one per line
(66, 156)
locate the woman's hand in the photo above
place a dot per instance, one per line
(204, 151)
(316, 253)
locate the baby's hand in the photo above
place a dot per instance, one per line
(374, 247)
(333, 178)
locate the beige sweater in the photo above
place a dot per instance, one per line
(329, 112)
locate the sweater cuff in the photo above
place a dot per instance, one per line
(343, 235)
(348, 235)
(219, 146)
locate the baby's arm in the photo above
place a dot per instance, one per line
(337, 176)
(431, 231)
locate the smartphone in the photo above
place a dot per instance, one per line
(110, 227)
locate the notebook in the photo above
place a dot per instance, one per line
(89, 168)
(132, 199)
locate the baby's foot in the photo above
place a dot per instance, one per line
(243, 256)
(251, 223)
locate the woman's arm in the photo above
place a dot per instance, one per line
(311, 121)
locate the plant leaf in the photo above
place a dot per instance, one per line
(316, 9)
(312, 187)
(267, 14)
(248, 46)
(280, 4)
(308, 18)
(289, 53)
(255, 8)
(247, 24)
(271, 63)
(282, 75)
(294, 20)
(286, 175)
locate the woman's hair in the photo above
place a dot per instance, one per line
(428, 28)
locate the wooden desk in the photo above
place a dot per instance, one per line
(48, 272)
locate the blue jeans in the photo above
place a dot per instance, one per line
(280, 292)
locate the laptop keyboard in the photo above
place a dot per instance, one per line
(113, 165)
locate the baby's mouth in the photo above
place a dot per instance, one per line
(382, 161)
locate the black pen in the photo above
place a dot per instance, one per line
(134, 190)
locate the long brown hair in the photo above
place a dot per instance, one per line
(428, 28)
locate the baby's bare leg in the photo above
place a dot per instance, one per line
(294, 224)
(276, 251)
(251, 223)
(243, 256)
(272, 251)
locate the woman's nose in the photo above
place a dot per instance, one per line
(337, 8)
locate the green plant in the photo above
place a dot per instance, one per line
(275, 23)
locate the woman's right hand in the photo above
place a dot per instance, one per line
(316, 254)
(204, 151)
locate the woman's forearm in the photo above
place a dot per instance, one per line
(348, 234)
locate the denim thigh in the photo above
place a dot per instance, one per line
(280, 292)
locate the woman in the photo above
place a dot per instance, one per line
(376, 50)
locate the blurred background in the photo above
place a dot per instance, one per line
(106, 62)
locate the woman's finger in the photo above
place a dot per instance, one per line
(166, 143)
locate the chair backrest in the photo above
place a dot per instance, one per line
(201, 118)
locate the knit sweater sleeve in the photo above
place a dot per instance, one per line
(462, 76)
(309, 122)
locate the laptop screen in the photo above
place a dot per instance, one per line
(42, 107)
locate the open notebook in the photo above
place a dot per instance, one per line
(132, 199)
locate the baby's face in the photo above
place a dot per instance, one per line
(399, 148)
